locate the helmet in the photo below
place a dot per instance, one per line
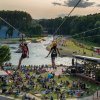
(54, 44)
(25, 43)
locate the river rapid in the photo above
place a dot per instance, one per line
(37, 54)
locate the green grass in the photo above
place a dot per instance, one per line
(71, 45)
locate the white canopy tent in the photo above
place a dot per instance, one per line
(3, 73)
(92, 59)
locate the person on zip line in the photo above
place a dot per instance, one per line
(25, 53)
(54, 52)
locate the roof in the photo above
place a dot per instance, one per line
(93, 59)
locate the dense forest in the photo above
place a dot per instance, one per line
(22, 21)
(72, 25)
(75, 25)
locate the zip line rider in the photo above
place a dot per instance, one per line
(54, 52)
(25, 53)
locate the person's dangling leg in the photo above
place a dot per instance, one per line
(20, 60)
(53, 62)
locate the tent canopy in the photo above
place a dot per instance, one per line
(93, 59)
(3, 73)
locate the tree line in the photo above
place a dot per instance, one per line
(22, 21)
(72, 25)
(75, 25)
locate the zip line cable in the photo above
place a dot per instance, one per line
(85, 31)
(9, 24)
(90, 36)
(65, 18)
(22, 35)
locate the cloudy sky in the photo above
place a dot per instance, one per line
(51, 8)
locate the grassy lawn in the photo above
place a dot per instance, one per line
(70, 45)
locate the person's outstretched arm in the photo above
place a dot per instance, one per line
(49, 52)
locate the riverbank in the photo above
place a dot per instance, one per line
(70, 47)
(18, 40)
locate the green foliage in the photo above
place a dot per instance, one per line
(9, 32)
(97, 24)
(19, 19)
(72, 25)
(35, 30)
(75, 25)
(4, 54)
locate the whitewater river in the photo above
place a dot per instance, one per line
(37, 55)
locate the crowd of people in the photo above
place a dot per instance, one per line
(37, 79)
(34, 79)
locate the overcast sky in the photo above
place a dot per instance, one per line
(51, 8)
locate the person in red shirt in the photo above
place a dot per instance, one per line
(25, 53)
